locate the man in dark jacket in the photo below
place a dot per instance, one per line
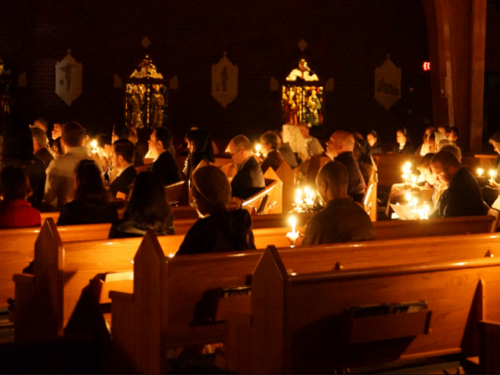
(340, 147)
(249, 179)
(122, 159)
(342, 220)
(273, 158)
(463, 196)
(164, 164)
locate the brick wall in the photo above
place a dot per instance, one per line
(346, 40)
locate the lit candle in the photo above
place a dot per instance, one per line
(298, 197)
(426, 212)
(492, 175)
(408, 165)
(94, 146)
(408, 198)
(414, 202)
(293, 235)
(309, 196)
(413, 179)
(257, 149)
(480, 172)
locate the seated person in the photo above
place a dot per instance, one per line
(342, 220)
(404, 143)
(164, 163)
(375, 142)
(424, 166)
(286, 151)
(122, 158)
(312, 144)
(249, 179)
(424, 147)
(340, 148)
(453, 135)
(444, 130)
(92, 203)
(200, 149)
(40, 146)
(269, 142)
(15, 210)
(222, 230)
(146, 209)
(121, 131)
(463, 196)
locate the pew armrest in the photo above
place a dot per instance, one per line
(489, 344)
(121, 296)
(23, 278)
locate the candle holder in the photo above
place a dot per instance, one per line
(306, 204)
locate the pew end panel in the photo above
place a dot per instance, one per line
(286, 175)
(39, 299)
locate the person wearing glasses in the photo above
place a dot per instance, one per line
(249, 179)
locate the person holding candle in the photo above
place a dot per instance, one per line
(249, 179)
(463, 195)
(269, 150)
(219, 229)
(340, 148)
(342, 220)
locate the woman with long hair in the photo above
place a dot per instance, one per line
(200, 148)
(147, 209)
(92, 203)
(405, 146)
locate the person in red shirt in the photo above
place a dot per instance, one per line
(15, 210)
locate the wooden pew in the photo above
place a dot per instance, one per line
(314, 322)
(184, 287)
(268, 200)
(286, 175)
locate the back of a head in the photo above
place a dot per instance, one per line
(335, 173)
(241, 142)
(90, 187)
(199, 138)
(42, 122)
(39, 136)
(73, 134)
(453, 150)
(446, 159)
(212, 184)
(495, 137)
(346, 138)
(270, 138)
(125, 149)
(148, 206)
(121, 131)
(426, 161)
(165, 136)
(14, 184)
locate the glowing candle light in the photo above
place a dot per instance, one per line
(492, 175)
(414, 203)
(257, 149)
(426, 212)
(94, 146)
(480, 172)
(293, 235)
(413, 179)
(408, 198)
(298, 196)
(408, 165)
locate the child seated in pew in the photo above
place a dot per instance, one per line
(92, 203)
(342, 220)
(15, 210)
(147, 209)
(222, 230)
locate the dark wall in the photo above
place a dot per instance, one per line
(346, 40)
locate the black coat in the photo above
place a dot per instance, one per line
(166, 167)
(408, 149)
(249, 180)
(273, 160)
(341, 221)
(221, 231)
(77, 212)
(288, 155)
(356, 187)
(462, 198)
(122, 182)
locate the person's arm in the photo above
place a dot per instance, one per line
(312, 233)
(50, 184)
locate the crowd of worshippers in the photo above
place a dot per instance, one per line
(70, 176)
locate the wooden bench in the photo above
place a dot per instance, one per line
(320, 322)
(195, 314)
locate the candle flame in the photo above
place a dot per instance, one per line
(480, 172)
(258, 147)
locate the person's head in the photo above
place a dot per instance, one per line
(56, 147)
(304, 130)
(434, 140)
(197, 140)
(41, 123)
(444, 166)
(427, 132)
(159, 141)
(14, 184)
(495, 141)
(332, 181)
(73, 135)
(269, 141)
(340, 142)
(148, 207)
(453, 135)
(39, 139)
(240, 149)
(453, 149)
(444, 130)
(120, 131)
(211, 190)
(104, 145)
(424, 166)
(402, 136)
(89, 184)
(123, 154)
(373, 138)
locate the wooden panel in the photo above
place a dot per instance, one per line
(285, 174)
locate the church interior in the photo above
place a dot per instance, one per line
(250, 187)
